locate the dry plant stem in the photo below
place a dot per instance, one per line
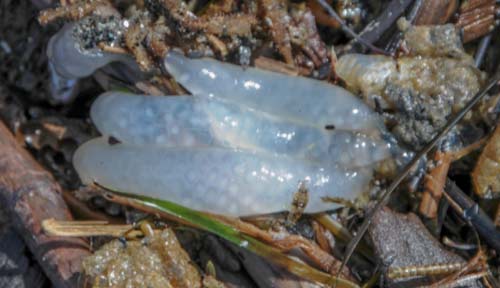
(285, 244)
(31, 194)
(435, 180)
(434, 183)
(324, 260)
(417, 271)
(477, 263)
(83, 228)
(395, 183)
(470, 210)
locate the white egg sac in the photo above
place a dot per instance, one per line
(72, 61)
(215, 179)
(240, 145)
(300, 99)
(193, 121)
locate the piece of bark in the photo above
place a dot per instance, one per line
(30, 194)
(402, 240)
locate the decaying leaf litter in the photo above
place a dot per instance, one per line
(421, 102)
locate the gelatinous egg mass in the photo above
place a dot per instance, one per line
(215, 179)
(241, 144)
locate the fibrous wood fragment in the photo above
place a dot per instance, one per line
(32, 195)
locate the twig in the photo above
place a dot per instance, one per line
(348, 30)
(324, 260)
(31, 195)
(245, 235)
(434, 183)
(84, 228)
(473, 214)
(387, 193)
(376, 28)
(425, 270)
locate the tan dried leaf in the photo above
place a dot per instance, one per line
(486, 174)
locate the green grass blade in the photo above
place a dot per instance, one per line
(233, 235)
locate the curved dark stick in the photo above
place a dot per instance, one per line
(473, 214)
(385, 196)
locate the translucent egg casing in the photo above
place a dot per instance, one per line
(196, 121)
(213, 179)
(297, 98)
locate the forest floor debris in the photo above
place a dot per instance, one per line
(288, 37)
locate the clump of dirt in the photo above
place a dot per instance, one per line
(94, 30)
(427, 92)
(420, 90)
(158, 260)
